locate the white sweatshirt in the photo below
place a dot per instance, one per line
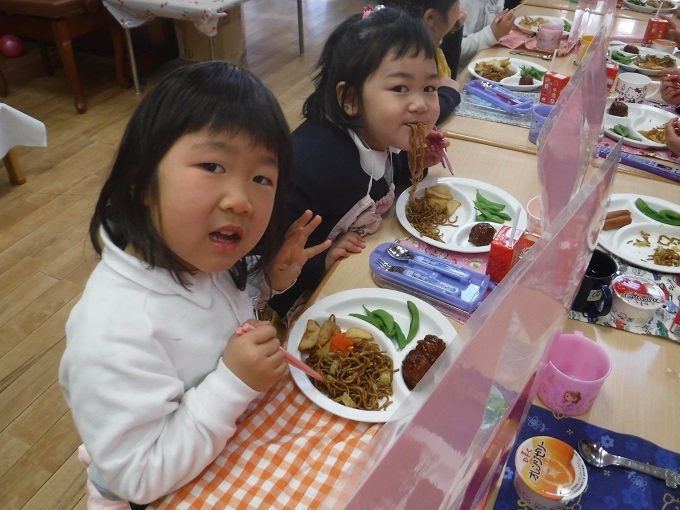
(477, 34)
(142, 373)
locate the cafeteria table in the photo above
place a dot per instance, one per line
(635, 358)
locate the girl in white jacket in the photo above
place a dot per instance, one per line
(190, 226)
(487, 21)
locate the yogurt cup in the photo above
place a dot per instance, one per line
(665, 45)
(635, 300)
(549, 474)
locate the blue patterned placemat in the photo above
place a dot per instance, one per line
(608, 488)
(663, 318)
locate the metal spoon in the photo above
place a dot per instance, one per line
(398, 252)
(597, 456)
(527, 54)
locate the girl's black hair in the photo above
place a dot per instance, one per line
(354, 51)
(418, 8)
(215, 96)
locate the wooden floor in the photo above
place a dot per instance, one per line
(45, 258)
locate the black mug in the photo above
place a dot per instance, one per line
(594, 298)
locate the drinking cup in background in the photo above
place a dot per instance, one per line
(665, 45)
(548, 36)
(634, 87)
(584, 43)
(594, 297)
(574, 372)
(538, 116)
(534, 218)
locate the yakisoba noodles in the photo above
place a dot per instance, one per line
(420, 213)
(667, 253)
(360, 378)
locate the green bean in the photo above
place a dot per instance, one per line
(387, 320)
(415, 321)
(660, 216)
(371, 320)
(399, 336)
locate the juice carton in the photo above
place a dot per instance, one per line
(553, 84)
(656, 29)
(504, 252)
(612, 71)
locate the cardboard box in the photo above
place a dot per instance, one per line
(230, 41)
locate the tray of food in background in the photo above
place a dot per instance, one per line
(651, 6)
(530, 24)
(458, 214)
(513, 73)
(644, 231)
(336, 331)
(642, 60)
(639, 125)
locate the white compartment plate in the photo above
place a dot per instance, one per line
(432, 322)
(644, 52)
(549, 19)
(616, 241)
(463, 190)
(640, 117)
(511, 82)
(649, 9)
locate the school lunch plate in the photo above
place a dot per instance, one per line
(432, 322)
(632, 67)
(464, 191)
(621, 242)
(641, 117)
(650, 6)
(511, 82)
(530, 24)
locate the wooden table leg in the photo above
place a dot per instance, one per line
(16, 174)
(3, 85)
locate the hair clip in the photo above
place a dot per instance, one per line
(368, 10)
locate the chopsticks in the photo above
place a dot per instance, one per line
(290, 359)
(467, 138)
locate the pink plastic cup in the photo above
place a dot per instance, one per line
(572, 377)
(548, 36)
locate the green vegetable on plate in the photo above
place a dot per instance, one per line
(622, 58)
(489, 210)
(533, 72)
(666, 216)
(622, 130)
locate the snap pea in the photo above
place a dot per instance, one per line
(622, 130)
(660, 216)
(371, 320)
(387, 320)
(399, 336)
(490, 210)
(415, 320)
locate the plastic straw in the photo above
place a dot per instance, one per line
(658, 11)
(518, 211)
(552, 60)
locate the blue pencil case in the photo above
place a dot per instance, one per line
(455, 290)
(499, 96)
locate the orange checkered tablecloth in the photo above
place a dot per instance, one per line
(287, 453)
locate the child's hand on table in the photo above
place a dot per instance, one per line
(253, 355)
(292, 255)
(344, 246)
